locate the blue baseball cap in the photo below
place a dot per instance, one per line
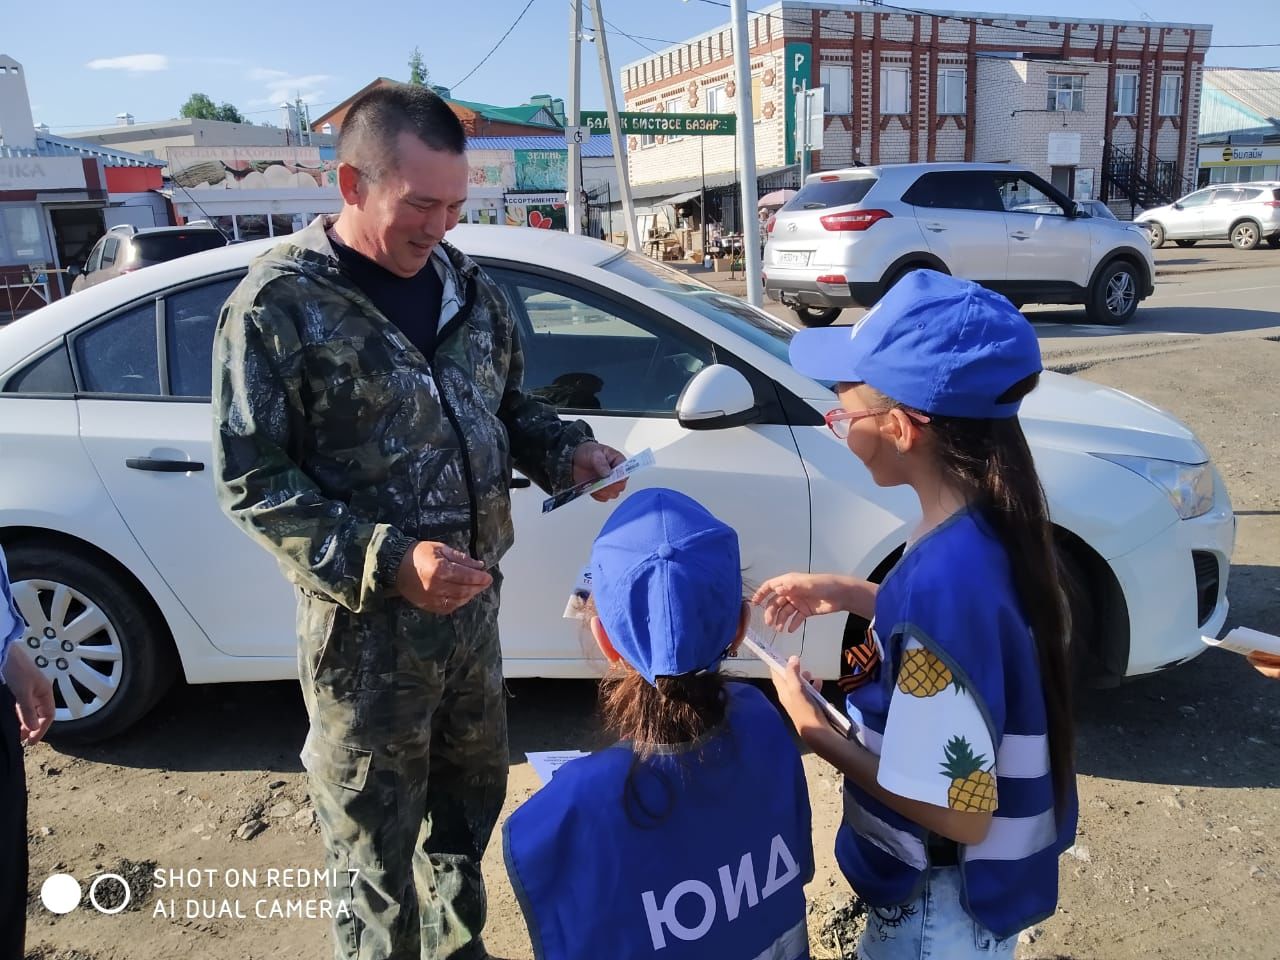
(667, 583)
(934, 343)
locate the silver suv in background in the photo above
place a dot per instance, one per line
(1244, 213)
(125, 248)
(849, 235)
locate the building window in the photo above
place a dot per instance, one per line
(894, 83)
(1170, 95)
(647, 139)
(1066, 92)
(673, 105)
(1126, 104)
(837, 82)
(951, 91)
(715, 99)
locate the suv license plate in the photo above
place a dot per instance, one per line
(794, 258)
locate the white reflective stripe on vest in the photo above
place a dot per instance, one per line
(897, 843)
(1013, 838)
(870, 739)
(1023, 757)
(792, 944)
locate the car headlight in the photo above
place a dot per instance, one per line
(1189, 486)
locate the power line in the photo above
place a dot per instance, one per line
(495, 47)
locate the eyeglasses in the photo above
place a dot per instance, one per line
(839, 421)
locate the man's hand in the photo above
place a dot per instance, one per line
(440, 579)
(1266, 664)
(34, 694)
(591, 461)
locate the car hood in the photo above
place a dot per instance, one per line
(1153, 213)
(1070, 412)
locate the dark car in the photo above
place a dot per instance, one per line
(124, 249)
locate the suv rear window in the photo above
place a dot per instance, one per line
(830, 193)
(158, 247)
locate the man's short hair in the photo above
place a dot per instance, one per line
(370, 132)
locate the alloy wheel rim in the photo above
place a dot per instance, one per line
(1120, 292)
(1245, 235)
(73, 643)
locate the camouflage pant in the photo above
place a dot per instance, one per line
(407, 756)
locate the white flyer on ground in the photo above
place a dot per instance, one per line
(547, 762)
(1244, 640)
(767, 656)
(623, 470)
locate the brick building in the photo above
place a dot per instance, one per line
(1103, 108)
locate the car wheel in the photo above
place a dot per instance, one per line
(1185, 243)
(1114, 295)
(1245, 235)
(93, 637)
(817, 317)
(1155, 235)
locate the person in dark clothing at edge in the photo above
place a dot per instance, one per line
(368, 409)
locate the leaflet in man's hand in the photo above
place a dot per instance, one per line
(1244, 640)
(623, 470)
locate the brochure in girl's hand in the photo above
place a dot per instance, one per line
(775, 663)
(623, 470)
(1245, 641)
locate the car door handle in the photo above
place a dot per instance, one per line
(520, 483)
(935, 227)
(1020, 236)
(163, 466)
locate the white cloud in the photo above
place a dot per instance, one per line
(134, 63)
(281, 86)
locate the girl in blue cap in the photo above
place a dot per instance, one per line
(691, 837)
(959, 776)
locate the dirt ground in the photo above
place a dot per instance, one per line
(1178, 854)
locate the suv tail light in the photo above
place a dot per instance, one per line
(854, 219)
(768, 227)
(1271, 203)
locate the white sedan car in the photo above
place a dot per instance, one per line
(126, 569)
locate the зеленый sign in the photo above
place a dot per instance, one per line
(665, 124)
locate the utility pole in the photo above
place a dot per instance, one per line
(746, 155)
(802, 130)
(615, 128)
(575, 96)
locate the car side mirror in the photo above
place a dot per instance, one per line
(1078, 210)
(1177, 205)
(717, 398)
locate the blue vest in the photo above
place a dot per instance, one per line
(953, 592)
(699, 852)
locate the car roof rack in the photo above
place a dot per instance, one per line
(125, 228)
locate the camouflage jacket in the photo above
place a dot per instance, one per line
(337, 444)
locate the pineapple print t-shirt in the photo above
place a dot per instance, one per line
(936, 746)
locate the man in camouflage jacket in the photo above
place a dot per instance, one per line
(377, 474)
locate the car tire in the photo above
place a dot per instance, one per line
(1155, 235)
(116, 671)
(817, 316)
(1114, 296)
(1274, 241)
(1246, 235)
(1185, 243)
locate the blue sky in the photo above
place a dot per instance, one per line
(254, 54)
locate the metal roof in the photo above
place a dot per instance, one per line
(48, 145)
(597, 146)
(1238, 99)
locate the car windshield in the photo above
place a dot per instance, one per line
(764, 331)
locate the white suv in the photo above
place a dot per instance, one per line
(1244, 213)
(849, 235)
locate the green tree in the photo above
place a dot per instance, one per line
(418, 72)
(200, 107)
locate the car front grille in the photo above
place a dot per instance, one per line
(1208, 582)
